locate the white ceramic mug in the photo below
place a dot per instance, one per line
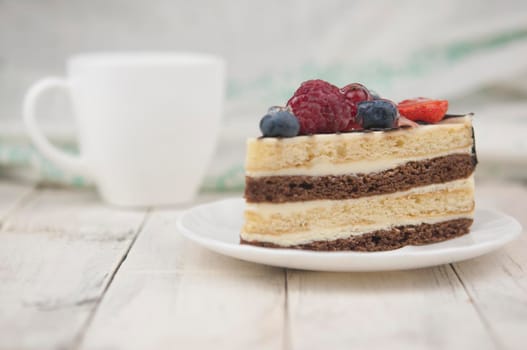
(147, 123)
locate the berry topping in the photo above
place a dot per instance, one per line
(375, 95)
(355, 93)
(274, 109)
(377, 114)
(279, 122)
(404, 122)
(321, 108)
(423, 109)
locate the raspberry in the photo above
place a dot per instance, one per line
(354, 94)
(423, 109)
(320, 108)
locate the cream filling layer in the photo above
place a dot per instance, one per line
(322, 167)
(334, 234)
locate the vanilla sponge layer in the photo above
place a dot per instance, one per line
(302, 222)
(356, 152)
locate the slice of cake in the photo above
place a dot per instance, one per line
(377, 182)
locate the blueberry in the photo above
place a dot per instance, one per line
(377, 114)
(279, 123)
(274, 109)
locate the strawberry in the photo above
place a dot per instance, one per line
(423, 109)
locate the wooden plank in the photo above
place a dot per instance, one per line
(511, 198)
(10, 195)
(171, 293)
(419, 309)
(57, 255)
(497, 283)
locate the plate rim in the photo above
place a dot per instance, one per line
(205, 241)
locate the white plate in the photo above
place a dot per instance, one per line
(216, 226)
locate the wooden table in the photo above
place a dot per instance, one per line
(76, 274)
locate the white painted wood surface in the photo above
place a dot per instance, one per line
(67, 282)
(58, 252)
(10, 196)
(420, 309)
(497, 283)
(172, 294)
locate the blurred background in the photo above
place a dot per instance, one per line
(472, 52)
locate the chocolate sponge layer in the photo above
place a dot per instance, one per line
(280, 189)
(394, 238)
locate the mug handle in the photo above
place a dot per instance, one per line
(66, 161)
